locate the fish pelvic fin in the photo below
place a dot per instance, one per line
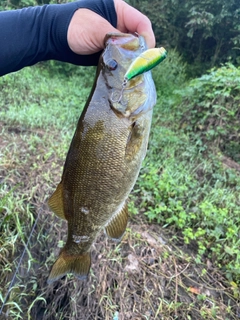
(56, 202)
(116, 228)
(78, 265)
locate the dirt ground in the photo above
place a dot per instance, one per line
(151, 274)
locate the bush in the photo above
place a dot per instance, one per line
(211, 106)
(170, 74)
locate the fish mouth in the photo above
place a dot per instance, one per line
(126, 41)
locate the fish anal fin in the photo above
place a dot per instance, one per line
(78, 265)
(56, 202)
(115, 229)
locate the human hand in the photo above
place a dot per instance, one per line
(87, 30)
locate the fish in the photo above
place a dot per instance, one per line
(105, 156)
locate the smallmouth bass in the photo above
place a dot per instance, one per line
(105, 155)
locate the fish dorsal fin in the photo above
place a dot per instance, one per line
(116, 227)
(56, 202)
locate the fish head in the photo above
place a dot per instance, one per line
(127, 98)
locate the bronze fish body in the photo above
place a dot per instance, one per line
(105, 155)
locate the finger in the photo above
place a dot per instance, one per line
(87, 38)
(132, 20)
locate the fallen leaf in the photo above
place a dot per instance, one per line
(194, 290)
(151, 241)
(133, 266)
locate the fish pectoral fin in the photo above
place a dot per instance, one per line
(135, 139)
(56, 202)
(78, 265)
(116, 227)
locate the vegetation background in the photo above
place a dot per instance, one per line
(188, 190)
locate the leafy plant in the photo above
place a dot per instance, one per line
(206, 33)
(170, 74)
(207, 212)
(211, 110)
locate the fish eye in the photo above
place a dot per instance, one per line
(112, 64)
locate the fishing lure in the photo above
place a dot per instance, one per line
(143, 63)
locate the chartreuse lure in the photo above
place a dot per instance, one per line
(145, 62)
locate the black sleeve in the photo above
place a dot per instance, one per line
(39, 33)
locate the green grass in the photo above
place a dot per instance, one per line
(184, 184)
(196, 196)
(35, 98)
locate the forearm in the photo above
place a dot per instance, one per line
(35, 34)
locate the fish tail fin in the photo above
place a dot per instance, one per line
(78, 265)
